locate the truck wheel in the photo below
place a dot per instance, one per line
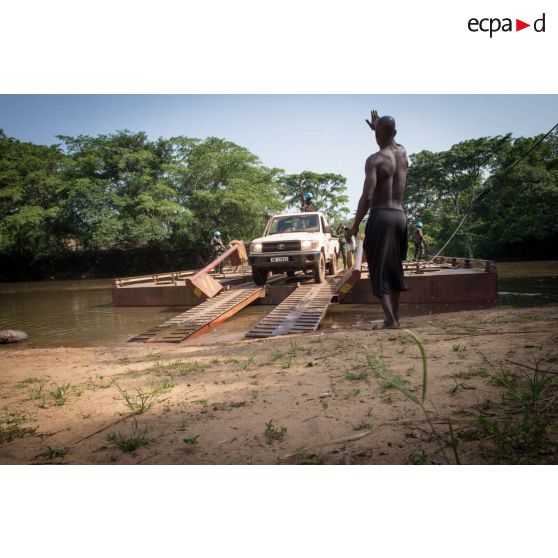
(259, 275)
(319, 269)
(332, 265)
(291, 273)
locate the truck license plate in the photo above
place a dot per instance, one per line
(280, 259)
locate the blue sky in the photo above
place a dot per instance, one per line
(322, 133)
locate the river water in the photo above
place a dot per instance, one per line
(80, 313)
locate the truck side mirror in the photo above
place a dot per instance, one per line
(327, 229)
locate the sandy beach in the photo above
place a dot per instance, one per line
(312, 398)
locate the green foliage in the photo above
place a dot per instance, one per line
(53, 453)
(226, 186)
(121, 190)
(394, 380)
(520, 210)
(60, 393)
(272, 433)
(129, 194)
(329, 192)
(191, 441)
(125, 191)
(355, 376)
(31, 190)
(132, 442)
(143, 400)
(12, 426)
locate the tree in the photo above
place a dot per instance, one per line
(224, 187)
(329, 192)
(30, 194)
(442, 186)
(520, 212)
(121, 190)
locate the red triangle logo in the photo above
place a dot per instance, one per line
(519, 25)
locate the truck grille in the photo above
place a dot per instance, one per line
(288, 245)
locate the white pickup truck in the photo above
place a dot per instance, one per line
(294, 242)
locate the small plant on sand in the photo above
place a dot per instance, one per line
(178, 368)
(364, 425)
(36, 392)
(321, 457)
(418, 458)
(518, 426)
(293, 349)
(61, 393)
(100, 382)
(191, 441)
(272, 433)
(129, 443)
(245, 363)
(389, 377)
(52, 453)
(277, 355)
(457, 387)
(11, 427)
(141, 401)
(288, 362)
(30, 381)
(355, 376)
(229, 405)
(472, 373)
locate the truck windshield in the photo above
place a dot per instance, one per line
(295, 223)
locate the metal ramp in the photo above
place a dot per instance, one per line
(301, 312)
(206, 315)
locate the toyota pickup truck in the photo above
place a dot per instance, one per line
(294, 242)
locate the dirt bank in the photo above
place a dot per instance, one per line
(310, 398)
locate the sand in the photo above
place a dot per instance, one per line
(213, 404)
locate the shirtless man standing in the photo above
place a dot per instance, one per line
(385, 239)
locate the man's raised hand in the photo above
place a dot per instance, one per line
(373, 119)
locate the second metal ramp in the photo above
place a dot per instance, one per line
(206, 315)
(302, 311)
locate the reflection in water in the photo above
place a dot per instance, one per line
(72, 313)
(80, 313)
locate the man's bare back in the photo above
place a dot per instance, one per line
(390, 166)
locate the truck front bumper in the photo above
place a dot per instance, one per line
(302, 260)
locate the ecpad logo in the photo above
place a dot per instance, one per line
(492, 25)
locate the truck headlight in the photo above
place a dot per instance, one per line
(309, 244)
(255, 247)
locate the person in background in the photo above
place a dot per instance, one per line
(217, 248)
(343, 244)
(419, 242)
(350, 248)
(308, 204)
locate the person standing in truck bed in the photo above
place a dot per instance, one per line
(308, 205)
(385, 240)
